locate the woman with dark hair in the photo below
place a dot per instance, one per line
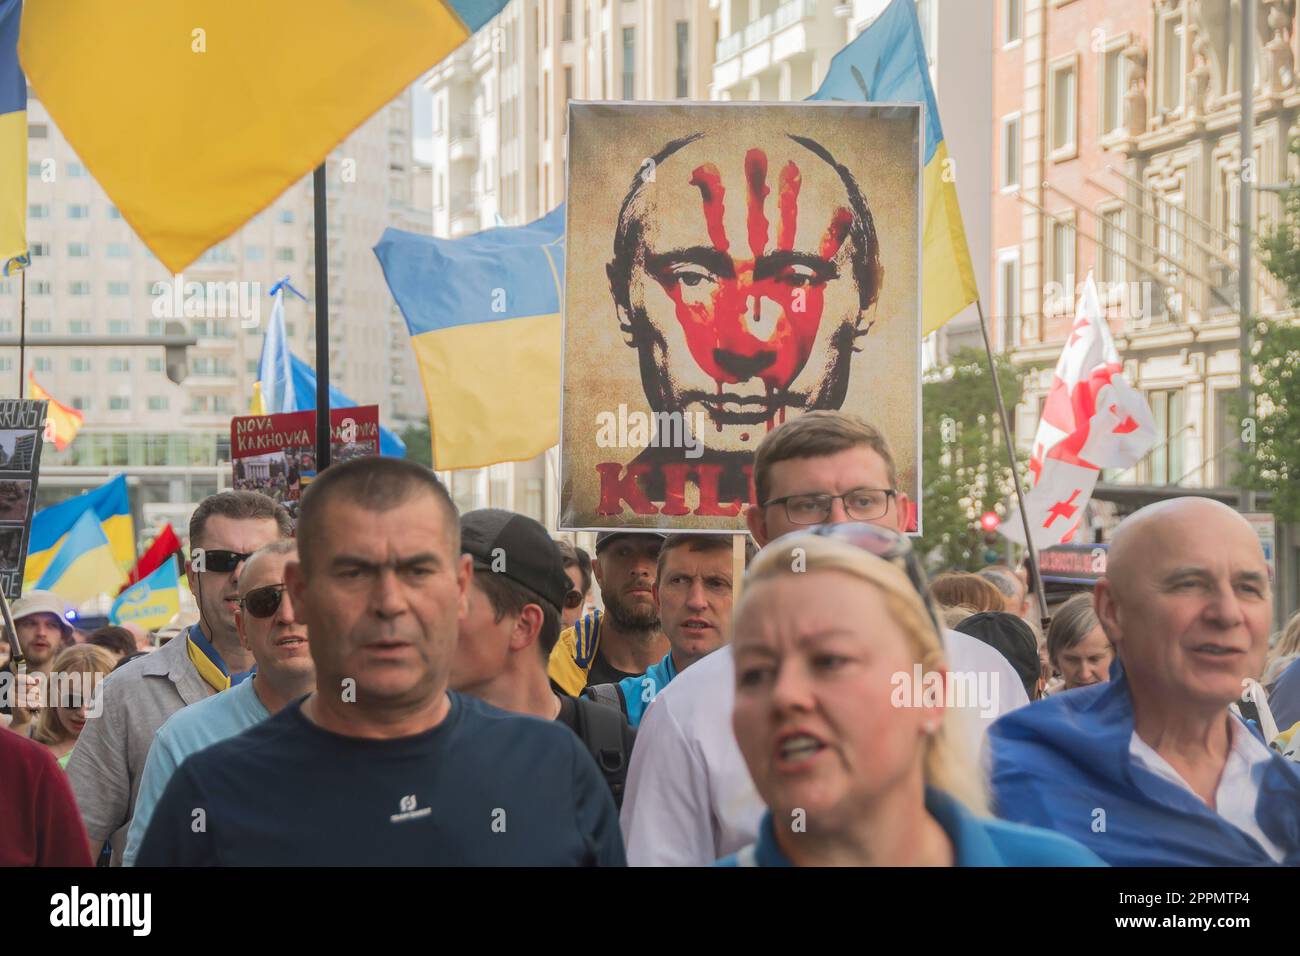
(118, 641)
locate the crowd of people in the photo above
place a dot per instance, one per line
(387, 682)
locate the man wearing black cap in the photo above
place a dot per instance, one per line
(515, 596)
(625, 640)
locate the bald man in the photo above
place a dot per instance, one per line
(1152, 768)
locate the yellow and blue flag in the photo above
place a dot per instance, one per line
(107, 505)
(13, 144)
(887, 63)
(84, 567)
(194, 115)
(483, 313)
(288, 384)
(151, 602)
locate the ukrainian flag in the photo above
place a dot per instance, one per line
(887, 63)
(484, 317)
(13, 144)
(84, 567)
(151, 602)
(193, 115)
(107, 505)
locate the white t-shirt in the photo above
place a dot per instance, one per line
(689, 797)
(1238, 790)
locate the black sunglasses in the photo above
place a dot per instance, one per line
(573, 599)
(217, 560)
(263, 602)
(884, 544)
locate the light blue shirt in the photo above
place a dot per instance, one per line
(188, 731)
(637, 692)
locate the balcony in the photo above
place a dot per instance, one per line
(463, 143)
(770, 39)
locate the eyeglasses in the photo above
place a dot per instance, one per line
(860, 504)
(573, 600)
(884, 544)
(263, 602)
(216, 560)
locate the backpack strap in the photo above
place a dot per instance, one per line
(602, 728)
(607, 694)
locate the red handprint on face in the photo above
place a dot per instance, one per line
(756, 317)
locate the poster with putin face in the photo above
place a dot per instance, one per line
(730, 267)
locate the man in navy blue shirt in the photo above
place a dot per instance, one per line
(382, 764)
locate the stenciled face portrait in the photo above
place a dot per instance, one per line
(732, 266)
(749, 306)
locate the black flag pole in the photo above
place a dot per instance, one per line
(322, 323)
(1015, 473)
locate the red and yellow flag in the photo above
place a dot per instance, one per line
(61, 422)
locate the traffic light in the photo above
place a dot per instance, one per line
(989, 522)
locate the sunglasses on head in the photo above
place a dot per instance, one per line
(218, 560)
(263, 602)
(884, 544)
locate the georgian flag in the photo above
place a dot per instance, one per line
(1093, 419)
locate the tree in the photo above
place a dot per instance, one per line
(1269, 462)
(419, 443)
(964, 457)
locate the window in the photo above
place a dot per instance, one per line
(1009, 297)
(683, 59)
(1170, 96)
(40, 287)
(566, 21)
(1169, 243)
(80, 287)
(119, 250)
(119, 288)
(158, 403)
(1114, 84)
(1061, 260)
(1011, 20)
(80, 403)
(1227, 433)
(155, 327)
(6, 364)
(1110, 245)
(114, 212)
(284, 254)
(42, 364)
(1063, 139)
(119, 327)
(119, 403)
(79, 327)
(286, 217)
(568, 95)
(78, 250)
(40, 326)
(40, 249)
(78, 211)
(119, 365)
(1165, 462)
(37, 131)
(254, 253)
(38, 210)
(1011, 152)
(34, 170)
(629, 63)
(79, 365)
(153, 365)
(76, 170)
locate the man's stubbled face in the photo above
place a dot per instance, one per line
(743, 296)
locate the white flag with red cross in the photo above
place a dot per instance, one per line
(1093, 419)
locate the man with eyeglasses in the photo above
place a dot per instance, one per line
(138, 698)
(270, 630)
(690, 799)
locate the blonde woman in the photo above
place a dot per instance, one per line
(1283, 653)
(75, 675)
(855, 762)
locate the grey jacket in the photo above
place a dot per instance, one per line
(108, 760)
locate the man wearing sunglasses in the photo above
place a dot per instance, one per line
(690, 799)
(270, 631)
(383, 764)
(107, 765)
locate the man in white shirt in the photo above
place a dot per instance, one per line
(689, 798)
(1153, 768)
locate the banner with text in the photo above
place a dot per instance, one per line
(276, 454)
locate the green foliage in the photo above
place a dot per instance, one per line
(964, 457)
(419, 443)
(1270, 462)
